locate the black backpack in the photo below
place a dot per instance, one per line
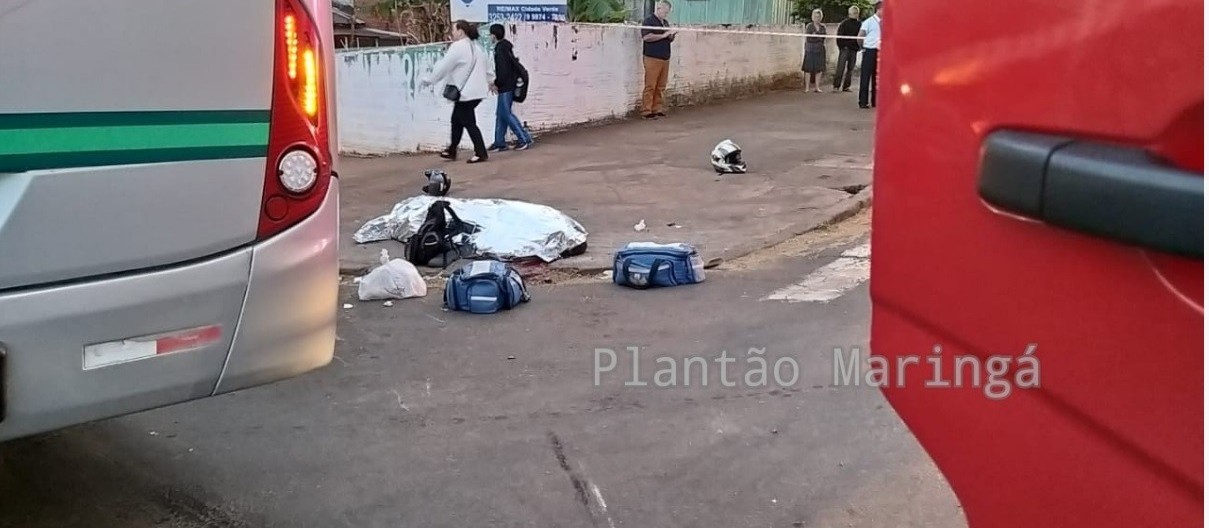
(435, 238)
(522, 91)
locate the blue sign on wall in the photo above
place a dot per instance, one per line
(512, 10)
(526, 12)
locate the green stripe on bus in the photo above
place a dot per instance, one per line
(39, 141)
(118, 138)
(69, 160)
(100, 119)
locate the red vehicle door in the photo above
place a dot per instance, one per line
(1039, 187)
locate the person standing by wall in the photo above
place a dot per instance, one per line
(849, 47)
(814, 62)
(656, 57)
(464, 68)
(871, 33)
(506, 74)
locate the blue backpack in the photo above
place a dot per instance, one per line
(484, 287)
(645, 265)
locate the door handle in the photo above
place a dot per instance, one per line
(1105, 190)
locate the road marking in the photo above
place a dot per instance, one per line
(829, 282)
(601, 504)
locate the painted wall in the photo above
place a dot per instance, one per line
(579, 74)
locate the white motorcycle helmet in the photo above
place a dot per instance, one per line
(728, 158)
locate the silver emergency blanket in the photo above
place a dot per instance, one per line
(508, 229)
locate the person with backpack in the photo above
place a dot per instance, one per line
(508, 71)
(465, 67)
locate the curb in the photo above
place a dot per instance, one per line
(834, 214)
(351, 271)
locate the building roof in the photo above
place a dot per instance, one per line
(344, 19)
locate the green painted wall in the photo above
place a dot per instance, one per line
(711, 12)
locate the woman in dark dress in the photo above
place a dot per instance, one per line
(815, 60)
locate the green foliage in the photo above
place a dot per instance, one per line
(597, 11)
(833, 10)
(423, 21)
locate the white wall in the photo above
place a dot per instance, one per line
(579, 74)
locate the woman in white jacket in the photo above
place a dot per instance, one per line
(463, 67)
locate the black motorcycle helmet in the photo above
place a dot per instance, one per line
(438, 182)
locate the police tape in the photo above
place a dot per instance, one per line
(712, 30)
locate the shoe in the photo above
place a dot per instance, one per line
(477, 159)
(660, 114)
(523, 146)
(648, 116)
(495, 148)
(847, 89)
(448, 154)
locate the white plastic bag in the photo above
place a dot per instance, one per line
(394, 279)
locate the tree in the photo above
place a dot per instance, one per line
(421, 20)
(833, 10)
(428, 20)
(596, 11)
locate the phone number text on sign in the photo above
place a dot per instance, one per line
(527, 12)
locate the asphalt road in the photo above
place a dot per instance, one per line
(431, 418)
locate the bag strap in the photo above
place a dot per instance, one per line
(651, 275)
(448, 208)
(520, 281)
(451, 296)
(671, 270)
(625, 276)
(474, 58)
(501, 281)
(516, 62)
(436, 214)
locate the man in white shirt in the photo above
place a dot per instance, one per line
(871, 34)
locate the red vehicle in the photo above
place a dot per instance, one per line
(1040, 187)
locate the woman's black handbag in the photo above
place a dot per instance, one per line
(454, 93)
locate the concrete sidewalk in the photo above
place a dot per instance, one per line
(808, 156)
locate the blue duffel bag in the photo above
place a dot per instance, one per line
(645, 265)
(484, 287)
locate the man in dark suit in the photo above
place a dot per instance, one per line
(849, 48)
